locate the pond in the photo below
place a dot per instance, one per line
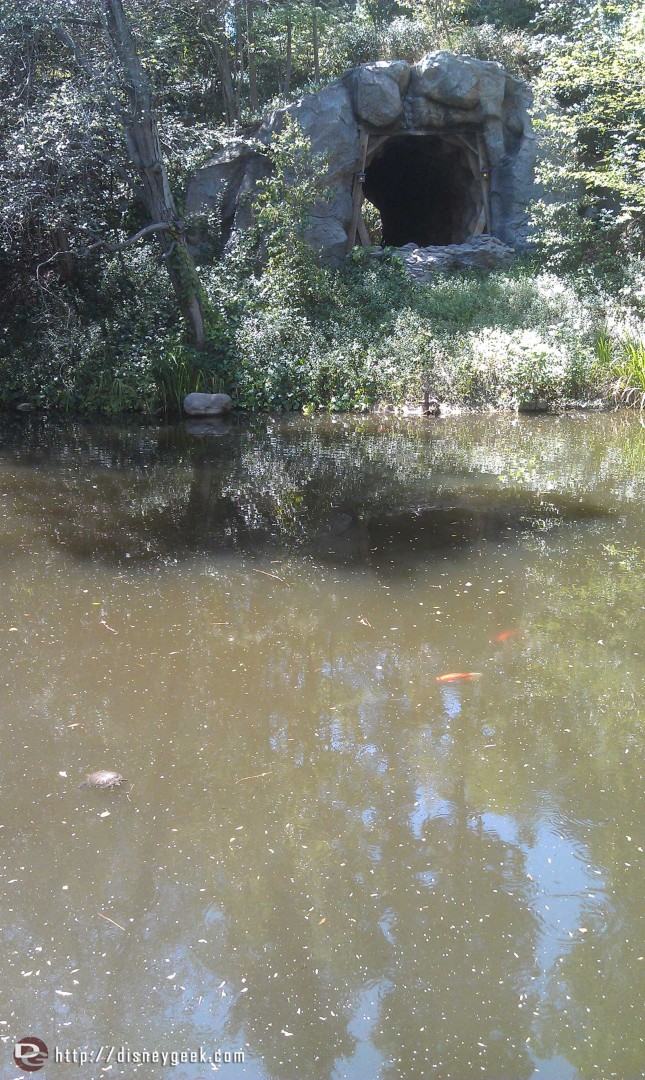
(328, 860)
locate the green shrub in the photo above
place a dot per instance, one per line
(406, 39)
(500, 338)
(516, 14)
(591, 105)
(272, 350)
(349, 44)
(301, 336)
(473, 382)
(520, 53)
(535, 370)
(94, 346)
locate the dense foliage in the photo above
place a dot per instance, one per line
(597, 135)
(95, 322)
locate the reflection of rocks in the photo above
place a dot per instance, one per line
(210, 426)
(207, 404)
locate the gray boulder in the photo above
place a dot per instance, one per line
(377, 92)
(328, 119)
(207, 404)
(481, 253)
(327, 234)
(460, 81)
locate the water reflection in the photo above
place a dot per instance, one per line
(162, 493)
(325, 858)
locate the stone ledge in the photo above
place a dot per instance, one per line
(480, 253)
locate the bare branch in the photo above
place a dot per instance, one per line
(159, 226)
(47, 261)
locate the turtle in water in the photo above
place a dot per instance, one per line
(103, 779)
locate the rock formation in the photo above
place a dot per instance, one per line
(197, 404)
(444, 150)
(480, 253)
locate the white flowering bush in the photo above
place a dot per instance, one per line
(520, 367)
(536, 369)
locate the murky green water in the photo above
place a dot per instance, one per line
(324, 858)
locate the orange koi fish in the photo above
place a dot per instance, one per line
(508, 635)
(454, 676)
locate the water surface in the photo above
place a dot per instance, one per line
(324, 858)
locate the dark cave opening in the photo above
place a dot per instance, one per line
(425, 189)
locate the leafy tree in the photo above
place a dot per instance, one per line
(144, 148)
(594, 128)
(74, 77)
(516, 14)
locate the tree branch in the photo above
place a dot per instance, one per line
(83, 63)
(159, 226)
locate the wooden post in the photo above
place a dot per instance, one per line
(358, 196)
(484, 170)
(363, 234)
(431, 406)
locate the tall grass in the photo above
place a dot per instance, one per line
(629, 372)
(181, 371)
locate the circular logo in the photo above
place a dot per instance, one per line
(30, 1053)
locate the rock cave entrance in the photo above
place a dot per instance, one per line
(428, 189)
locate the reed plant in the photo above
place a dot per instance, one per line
(629, 374)
(180, 370)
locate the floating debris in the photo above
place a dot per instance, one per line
(108, 919)
(454, 676)
(103, 779)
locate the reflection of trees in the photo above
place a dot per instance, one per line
(601, 968)
(340, 489)
(463, 929)
(436, 915)
(373, 862)
(595, 759)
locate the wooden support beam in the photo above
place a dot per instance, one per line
(481, 222)
(374, 142)
(459, 131)
(357, 198)
(363, 234)
(484, 170)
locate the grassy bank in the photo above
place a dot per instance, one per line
(473, 339)
(299, 337)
